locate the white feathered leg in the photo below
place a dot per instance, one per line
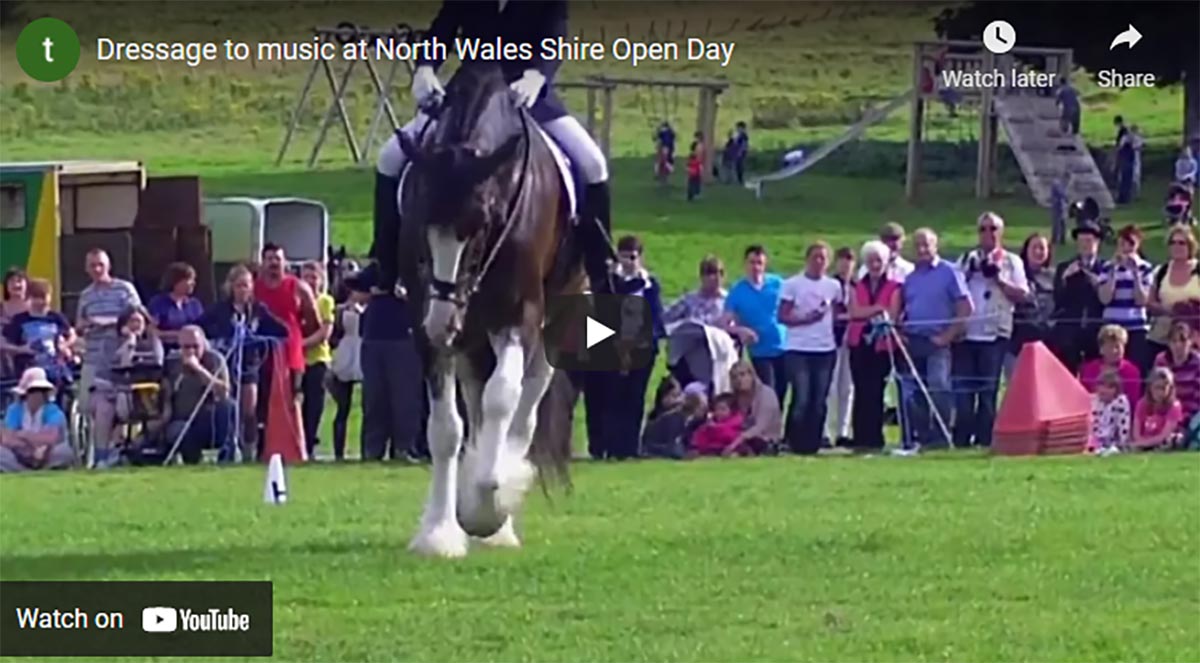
(482, 514)
(517, 474)
(440, 534)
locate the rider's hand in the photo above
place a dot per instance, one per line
(527, 88)
(426, 84)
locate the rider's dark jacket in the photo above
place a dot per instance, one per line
(520, 22)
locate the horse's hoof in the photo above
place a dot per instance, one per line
(479, 517)
(505, 537)
(446, 540)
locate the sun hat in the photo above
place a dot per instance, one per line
(33, 378)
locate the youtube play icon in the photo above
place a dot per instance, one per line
(599, 333)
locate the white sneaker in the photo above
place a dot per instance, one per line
(1108, 451)
(906, 453)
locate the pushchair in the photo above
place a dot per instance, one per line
(1178, 205)
(1088, 209)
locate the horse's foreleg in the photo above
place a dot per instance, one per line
(537, 378)
(484, 513)
(440, 534)
(518, 473)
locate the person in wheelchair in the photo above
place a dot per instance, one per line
(137, 365)
(34, 433)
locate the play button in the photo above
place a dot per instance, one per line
(599, 333)
(596, 332)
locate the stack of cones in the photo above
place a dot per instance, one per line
(1045, 410)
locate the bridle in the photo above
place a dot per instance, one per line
(459, 293)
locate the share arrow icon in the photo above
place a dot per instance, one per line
(1130, 36)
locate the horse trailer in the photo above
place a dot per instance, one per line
(53, 213)
(241, 226)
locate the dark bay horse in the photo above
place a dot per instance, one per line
(486, 239)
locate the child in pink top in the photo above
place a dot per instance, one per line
(1183, 359)
(714, 437)
(1112, 356)
(1159, 414)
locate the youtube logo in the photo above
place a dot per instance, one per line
(599, 333)
(158, 619)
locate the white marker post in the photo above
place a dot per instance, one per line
(275, 490)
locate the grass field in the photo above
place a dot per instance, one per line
(948, 558)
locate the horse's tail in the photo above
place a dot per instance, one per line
(551, 449)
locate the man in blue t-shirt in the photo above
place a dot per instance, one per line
(937, 305)
(753, 305)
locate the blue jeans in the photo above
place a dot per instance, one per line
(977, 366)
(210, 429)
(932, 365)
(773, 373)
(810, 374)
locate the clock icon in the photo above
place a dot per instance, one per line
(999, 37)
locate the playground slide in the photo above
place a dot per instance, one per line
(869, 119)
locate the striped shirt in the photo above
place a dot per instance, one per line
(102, 304)
(1122, 310)
(1187, 380)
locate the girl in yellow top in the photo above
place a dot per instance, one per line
(317, 354)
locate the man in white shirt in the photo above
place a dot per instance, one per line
(996, 282)
(898, 269)
(806, 309)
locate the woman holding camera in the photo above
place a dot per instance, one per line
(1124, 288)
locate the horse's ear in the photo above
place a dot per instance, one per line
(410, 149)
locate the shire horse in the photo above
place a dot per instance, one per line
(486, 239)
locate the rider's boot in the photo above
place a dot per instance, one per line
(597, 234)
(385, 244)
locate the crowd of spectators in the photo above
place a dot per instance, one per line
(799, 364)
(178, 377)
(827, 341)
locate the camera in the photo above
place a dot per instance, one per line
(982, 264)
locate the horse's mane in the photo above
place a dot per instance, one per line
(477, 112)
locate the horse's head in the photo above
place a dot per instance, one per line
(466, 174)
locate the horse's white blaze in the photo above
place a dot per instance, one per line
(440, 534)
(446, 251)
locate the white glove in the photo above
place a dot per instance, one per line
(426, 84)
(528, 86)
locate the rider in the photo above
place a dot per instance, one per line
(532, 83)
